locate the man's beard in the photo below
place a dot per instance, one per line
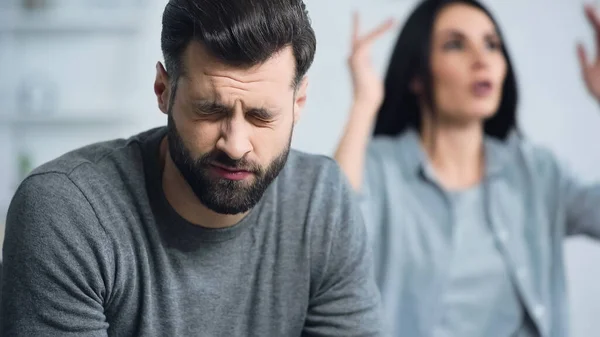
(222, 195)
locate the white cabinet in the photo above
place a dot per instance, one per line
(64, 79)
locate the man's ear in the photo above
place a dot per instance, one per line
(162, 88)
(300, 98)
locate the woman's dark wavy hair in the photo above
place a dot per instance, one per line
(411, 59)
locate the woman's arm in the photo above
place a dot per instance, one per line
(582, 201)
(368, 95)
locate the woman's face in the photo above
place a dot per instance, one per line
(467, 64)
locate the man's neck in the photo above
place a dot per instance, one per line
(455, 152)
(182, 198)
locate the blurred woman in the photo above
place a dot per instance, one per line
(466, 217)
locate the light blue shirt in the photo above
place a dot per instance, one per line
(530, 203)
(480, 298)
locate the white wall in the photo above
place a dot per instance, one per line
(101, 79)
(117, 72)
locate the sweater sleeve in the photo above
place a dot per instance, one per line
(56, 262)
(346, 301)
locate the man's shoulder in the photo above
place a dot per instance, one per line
(100, 158)
(311, 181)
(92, 154)
(305, 159)
(308, 168)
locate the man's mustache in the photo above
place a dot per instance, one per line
(220, 158)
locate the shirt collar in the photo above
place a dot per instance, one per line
(415, 159)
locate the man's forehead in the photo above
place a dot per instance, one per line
(280, 67)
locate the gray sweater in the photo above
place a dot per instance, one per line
(93, 248)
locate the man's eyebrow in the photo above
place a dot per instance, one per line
(211, 106)
(261, 113)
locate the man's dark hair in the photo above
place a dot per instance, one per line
(237, 32)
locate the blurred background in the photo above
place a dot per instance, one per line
(74, 72)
